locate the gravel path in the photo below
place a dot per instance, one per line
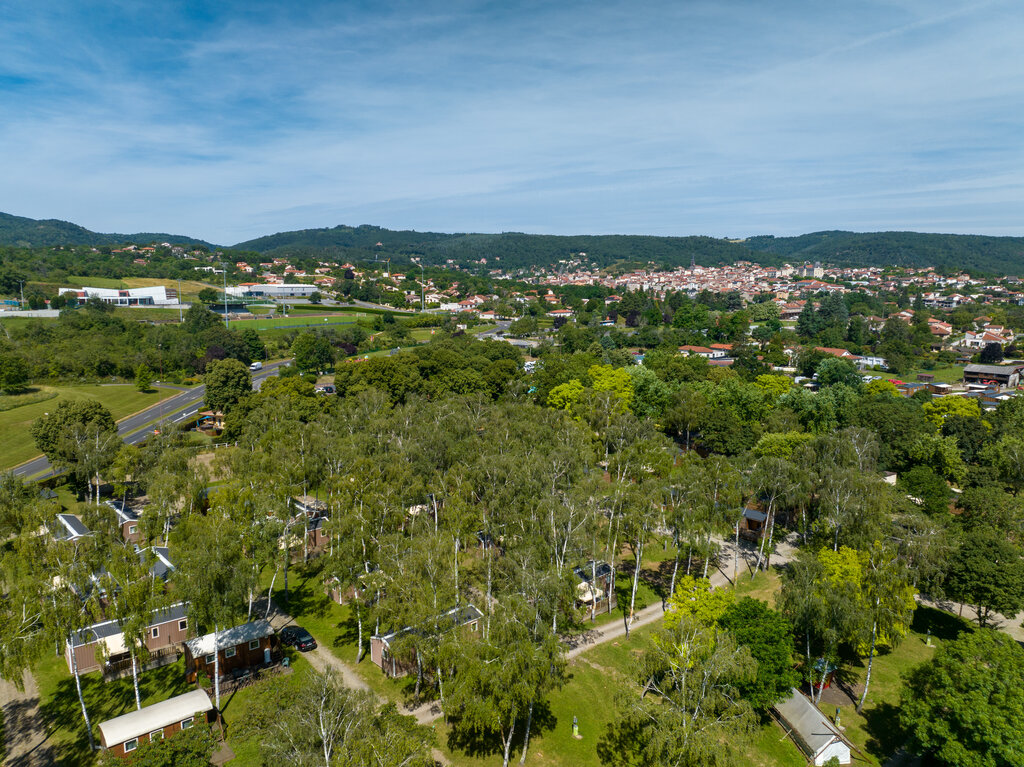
(24, 728)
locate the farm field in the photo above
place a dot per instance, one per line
(121, 400)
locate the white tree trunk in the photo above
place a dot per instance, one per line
(526, 738)
(871, 660)
(270, 591)
(508, 740)
(216, 668)
(135, 681)
(81, 700)
(636, 582)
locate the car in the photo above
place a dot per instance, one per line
(256, 366)
(298, 637)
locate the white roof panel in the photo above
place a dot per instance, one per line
(152, 718)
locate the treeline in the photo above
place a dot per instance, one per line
(32, 233)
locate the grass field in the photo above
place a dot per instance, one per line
(121, 400)
(297, 323)
(943, 374)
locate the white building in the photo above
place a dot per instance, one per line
(153, 296)
(254, 290)
(813, 733)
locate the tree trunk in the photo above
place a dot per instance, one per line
(216, 668)
(871, 659)
(135, 680)
(672, 583)
(359, 624)
(81, 699)
(689, 557)
(736, 557)
(636, 580)
(824, 673)
(270, 591)
(456, 570)
(771, 538)
(526, 737)
(508, 740)
(487, 623)
(419, 674)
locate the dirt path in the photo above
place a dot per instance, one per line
(24, 729)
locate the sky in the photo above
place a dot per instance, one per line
(228, 120)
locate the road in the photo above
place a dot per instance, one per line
(178, 408)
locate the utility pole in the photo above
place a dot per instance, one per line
(224, 271)
(180, 318)
(423, 289)
(21, 284)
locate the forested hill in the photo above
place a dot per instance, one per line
(514, 249)
(971, 252)
(977, 253)
(23, 232)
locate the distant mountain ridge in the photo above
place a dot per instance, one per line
(981, 254)
(24, 232)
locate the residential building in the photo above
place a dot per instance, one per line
(124, 734)
(246, 646)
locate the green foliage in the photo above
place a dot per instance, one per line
(312, 352)
(565, 396)
(987, 572)
(227, 382)
(924, 484)
(695, 598)
(937, 411)
(781, 444)
(963, 708)
(13, 374)
(769, 638)
(52, 431)
(832, 371)
(143, 377)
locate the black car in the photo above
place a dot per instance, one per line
(298, 637)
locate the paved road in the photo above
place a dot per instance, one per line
(501, 327)
(188, 402)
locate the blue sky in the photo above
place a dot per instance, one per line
(231, 120)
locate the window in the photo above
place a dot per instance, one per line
(156, 735)
(474, 626)
(156, 632)
(229, 653)
(131, 745)
(209, 659)
(254, 644)
(132, 529)
(186, 723)
(182, 625)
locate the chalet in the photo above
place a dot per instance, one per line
(382, 651)
(596, 586)
(127, 732)
(556, 313)
(159, 558)
(753, 524)
(127, 520)
(813, 733)
(982, 339)
(251, 644)
(102, 646)
(1001, 375)
(68, 527)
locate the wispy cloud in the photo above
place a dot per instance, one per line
(722, 118)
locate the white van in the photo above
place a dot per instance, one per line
(256, 366)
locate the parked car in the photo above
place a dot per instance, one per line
(298, 637)
(256, 366)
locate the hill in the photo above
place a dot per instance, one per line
(24, 232)
(970, 252)
(947, 252)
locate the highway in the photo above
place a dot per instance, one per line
(136, 428)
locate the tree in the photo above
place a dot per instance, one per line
(832, 371)
(769, 638)
(987, 573)
(694, 598)
(689, 710)
(322, 722)
(227, 382)
(963, 707)
(312, 352)
(315, 297)
(13, 374)
(924, 485)
(889, 599)
(143, 377)
(209, 296)
(992, 354)
(79, 436)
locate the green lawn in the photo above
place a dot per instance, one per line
(943, 373)
(104, 700)
(122, 400)
(298, 323)
(875, 731)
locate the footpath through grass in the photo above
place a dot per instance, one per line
(121, 400)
